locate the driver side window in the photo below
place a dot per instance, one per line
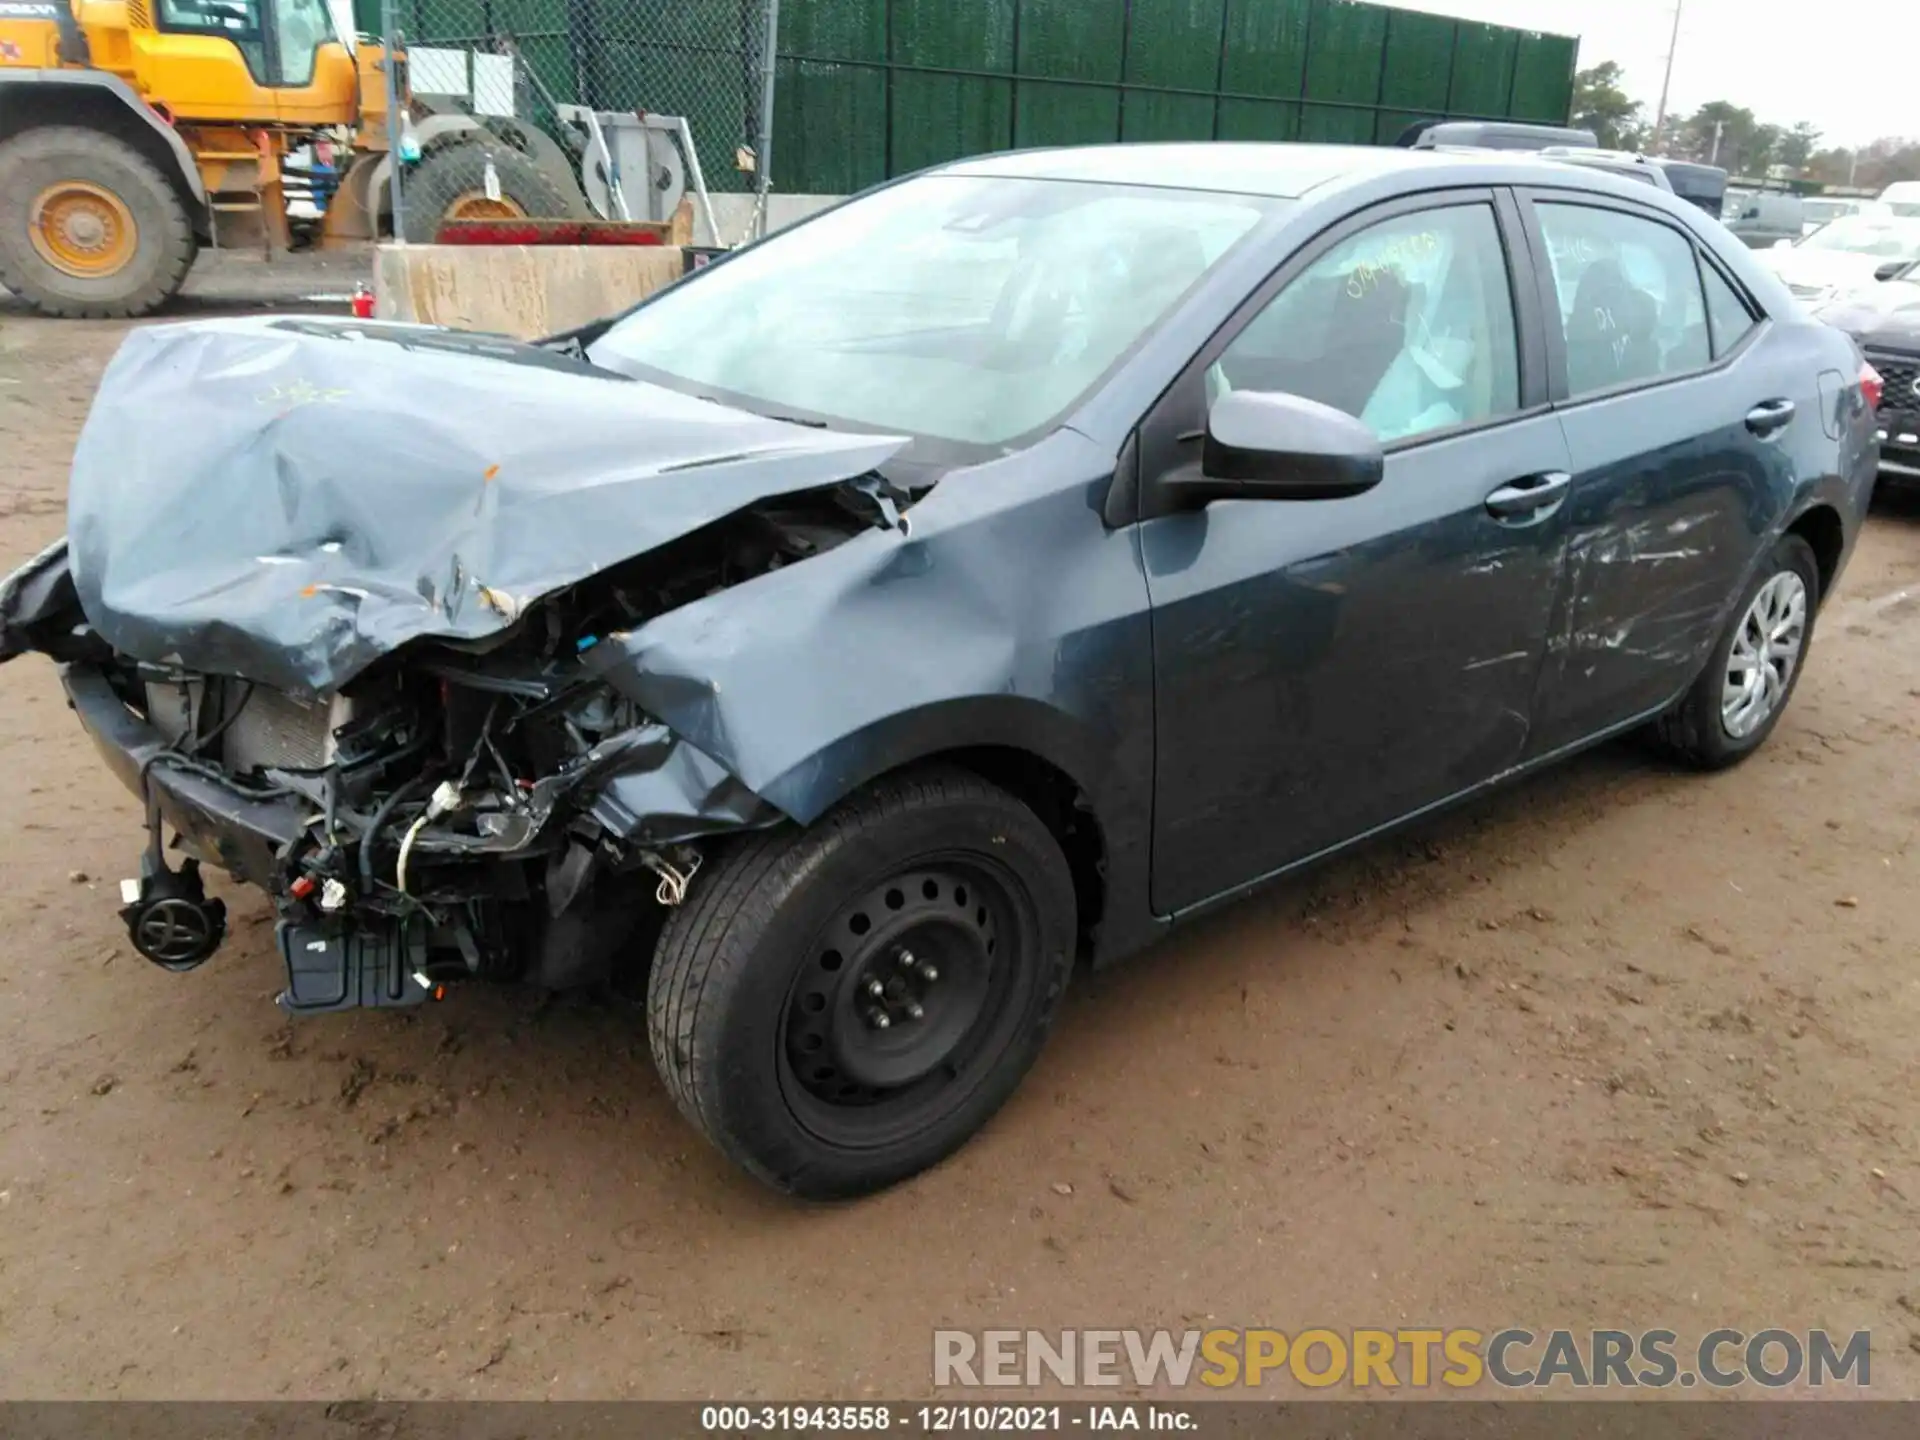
(235, 20)
(218, 17)
(1407, 326)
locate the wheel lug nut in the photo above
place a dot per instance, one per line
(929, 973)
(914, 1012)
(876, 989)
(879, 1019)
(905, 957)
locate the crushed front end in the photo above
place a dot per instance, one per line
(385, 701)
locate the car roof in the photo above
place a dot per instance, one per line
(1280, 171)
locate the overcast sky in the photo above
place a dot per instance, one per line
(1835, 63)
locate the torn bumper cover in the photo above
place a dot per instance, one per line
(339, 623)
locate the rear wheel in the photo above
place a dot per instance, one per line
(840, 1007)
(452, 183)
(89, 228)
(1744, 690)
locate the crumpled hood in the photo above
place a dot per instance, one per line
(288, 499)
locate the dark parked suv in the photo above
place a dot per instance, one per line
(976, 581)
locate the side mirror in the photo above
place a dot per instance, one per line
(1783, 244)
(1267, 446)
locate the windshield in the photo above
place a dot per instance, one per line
(1884, 237)
(957, 308)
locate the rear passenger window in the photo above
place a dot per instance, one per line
(1727, 311)
(1630, 301)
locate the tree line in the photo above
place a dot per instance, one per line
(1734, 138)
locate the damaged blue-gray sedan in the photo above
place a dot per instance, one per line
(974, 581)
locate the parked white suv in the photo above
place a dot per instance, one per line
(1903, 196)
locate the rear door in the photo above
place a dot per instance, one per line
(1681, 419)
(1323, 667)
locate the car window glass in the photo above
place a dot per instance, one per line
(225, 17)
(956, 308)
(1407, 326)
(301, 27)
(1727, 312)
(236, 20)
(1629, 292)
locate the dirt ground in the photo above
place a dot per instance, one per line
(1624, 1047)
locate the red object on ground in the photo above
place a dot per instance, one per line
(362, 302)
(551, 232)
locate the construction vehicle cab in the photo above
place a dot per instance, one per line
(134, 132)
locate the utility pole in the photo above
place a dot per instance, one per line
(1719, 129)
(1666, 83)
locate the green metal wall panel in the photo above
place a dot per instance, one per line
(1072, 39)
(1156, 115)
(829, 127)
(1259, 120)
(1483, 70)
(1045, 114)
(943, 34)
(1176, 44)
(1336, 125)
(1266, 47)
(937, 118)
(1542, 78)
(823, 30)
(871, 88)
(1344, 53)
(1419, 64)
(1389, 125)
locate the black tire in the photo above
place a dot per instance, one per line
(1695, 731)
(458, 171)
(760, 982)
(163, 243)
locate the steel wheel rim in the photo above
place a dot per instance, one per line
(82, 230)
(859, 1085)
(1765, 656)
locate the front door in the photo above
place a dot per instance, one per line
(1324, 667)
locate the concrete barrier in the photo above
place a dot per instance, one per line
(520, 290)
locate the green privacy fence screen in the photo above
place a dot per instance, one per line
(867, 89)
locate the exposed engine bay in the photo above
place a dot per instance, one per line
(380, 674)
(452, 791)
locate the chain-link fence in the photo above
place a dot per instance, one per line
(580, 110)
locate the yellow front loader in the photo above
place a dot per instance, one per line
(134, 132)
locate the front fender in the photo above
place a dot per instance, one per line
(1005, 615)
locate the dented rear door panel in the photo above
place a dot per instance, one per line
(1672, 499)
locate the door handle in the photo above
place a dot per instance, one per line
(1528, 498)
(1770, 418)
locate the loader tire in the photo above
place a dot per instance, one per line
(451, 184)
(90, 229)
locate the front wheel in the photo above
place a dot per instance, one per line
(1744, 690)
(840, 1007)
